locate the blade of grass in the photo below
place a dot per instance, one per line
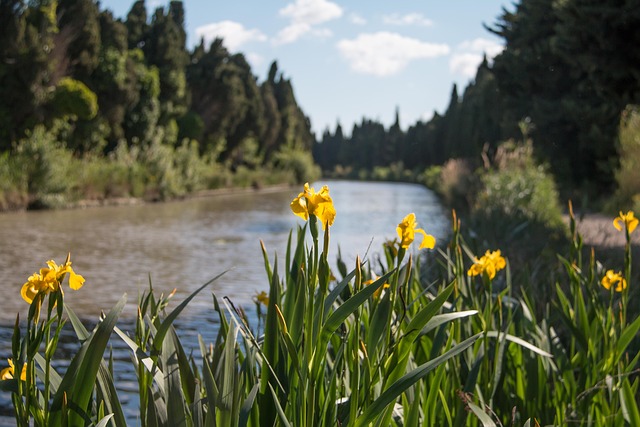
(78, 382)
(481, 415)
(168, 321)
(397, 388)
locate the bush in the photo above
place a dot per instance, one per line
(299, 162)
(47, 166)
(628, 174)
(72, 97)
(13, 188)
(456, 183)
(516, 205)
(518, 188)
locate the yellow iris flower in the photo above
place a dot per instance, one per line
(318, 204)
(490, 263)
(612, 278)
(407, 230)
(49, 280)
(262, 298)
(626, 220)
(7, 373)
(378, 291)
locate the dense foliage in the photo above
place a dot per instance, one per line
(568, 70)
(132, 82)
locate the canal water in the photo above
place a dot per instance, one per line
(182, 244)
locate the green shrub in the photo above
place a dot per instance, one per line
(13, 189)
(431, 177)
(47, 167)
(299, 162)
(518, 188)
(515, 205)
(457, 183)
(72, 97)
(628, 174)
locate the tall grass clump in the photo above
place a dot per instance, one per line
(376, 343)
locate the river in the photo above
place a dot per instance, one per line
(182, 244)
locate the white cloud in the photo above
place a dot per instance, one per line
(304, 15)
(323, 33)
(255, 59)
(469, 55)
(311, 12)
(490, 47)
(233, 33)
(408, 19)
(357, 19)
(384, 53)
(465, 64)
(291, 33)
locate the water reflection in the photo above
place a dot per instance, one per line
(183, 244)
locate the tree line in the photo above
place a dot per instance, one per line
(115, 81)
(567, 72)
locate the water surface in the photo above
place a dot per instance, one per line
(183, 244)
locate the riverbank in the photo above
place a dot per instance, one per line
(136, 201)
(132, 201)
(598, 232)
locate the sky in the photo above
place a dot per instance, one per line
(349, 60)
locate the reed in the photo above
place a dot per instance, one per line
(420, 336)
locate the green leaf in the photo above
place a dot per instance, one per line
(104, 380)
(280, 412)
(174, 398)
(626, 337)
(168, 321)
(110, 395)
(143, 358)
(519, 341)
(482, 416)
(424, 315)
(441, 319)
(104, 421)
(402, 384)
(629, 406)
(247, 405)
(349, 306)
(80, 378)
(335, 293)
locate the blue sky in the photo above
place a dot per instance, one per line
(352, 59)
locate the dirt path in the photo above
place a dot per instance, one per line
(597, 230)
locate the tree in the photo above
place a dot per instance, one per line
(600, 37)
(137, 26)
(573, 125)
(27, 66)
(165, 48)
(79, 36)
